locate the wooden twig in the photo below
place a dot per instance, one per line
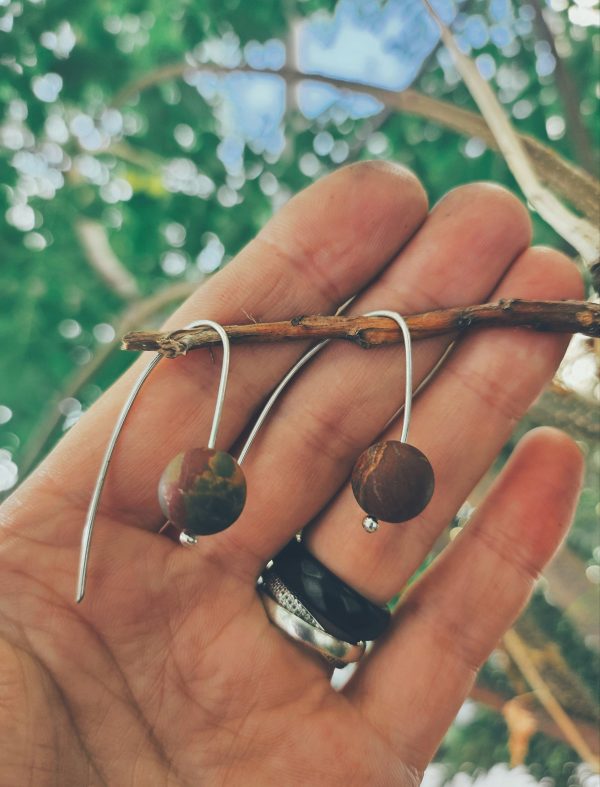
(554, 316)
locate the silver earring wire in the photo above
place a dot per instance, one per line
(275, 396)
(408, 387)
(407, 407)
(86, 538)
(289, 376)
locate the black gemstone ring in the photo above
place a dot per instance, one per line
(341, 610)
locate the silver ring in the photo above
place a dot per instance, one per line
(273, 586)
(335, 650)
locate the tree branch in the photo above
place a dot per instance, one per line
(568, 410)
(492, 699)
(519, 652)
(571, 182)
(569, 94)
(580, 233)
(555, 316)
(101, 257)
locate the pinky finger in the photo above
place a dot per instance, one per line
(416, 679)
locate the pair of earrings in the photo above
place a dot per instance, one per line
(202, 491)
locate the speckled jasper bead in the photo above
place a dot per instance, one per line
(392, 481)
(202, 491)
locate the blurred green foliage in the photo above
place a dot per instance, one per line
(182, 174)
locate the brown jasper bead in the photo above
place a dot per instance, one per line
(392, 481)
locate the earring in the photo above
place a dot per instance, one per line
(393, 480)
(201, 491)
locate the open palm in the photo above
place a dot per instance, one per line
(169, 673)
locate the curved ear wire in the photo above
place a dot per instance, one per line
(289, 376)
(275, 396)
(86, 538)
(408, 391)
(317, 348)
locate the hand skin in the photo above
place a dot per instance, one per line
(169, 673)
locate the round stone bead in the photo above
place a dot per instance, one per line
(392, 481)
(202, 491)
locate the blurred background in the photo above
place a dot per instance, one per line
(143, 143)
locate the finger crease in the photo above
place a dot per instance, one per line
(501, 400)
(510, 552)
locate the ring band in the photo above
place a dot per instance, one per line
(274, 586)
(336, 650)
(339, 608)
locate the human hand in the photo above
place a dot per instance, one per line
(169, 673)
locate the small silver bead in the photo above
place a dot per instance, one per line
(187, 539)
(370, 524)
